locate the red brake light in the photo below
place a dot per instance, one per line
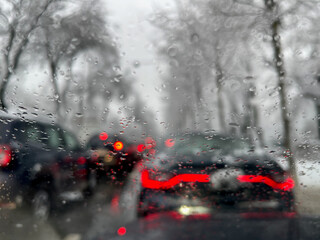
(5, 155)
(118, 146)
(155, 184)
(81, 160)
(141, 147)
(286, 185)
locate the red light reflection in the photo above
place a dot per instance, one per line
(141, 147)
(122, 231)
(169, 143)
(94, 156)
(81, 160)
(115, 203)
(150, 143)
(103, 136)
(5, 155)
(152, 152)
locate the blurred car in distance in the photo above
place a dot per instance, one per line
(41, 165)
(113, 156)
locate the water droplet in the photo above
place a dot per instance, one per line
(252, 89)
(56, 97)
(116, 68)
(22, 108)
(172, 51)
(117, 78)
(195, 37)
(19, 225)
(103, 136)
(136, 64)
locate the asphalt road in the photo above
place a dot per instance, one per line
(218, 227)
(71, 222)
(98, 216)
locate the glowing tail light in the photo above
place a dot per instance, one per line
(5, 155)
(155, 184)
(286, 185)
(141, 148)
(118, 146)
(81, 161)
(147, 182)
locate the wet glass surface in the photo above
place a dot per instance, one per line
(172, 119)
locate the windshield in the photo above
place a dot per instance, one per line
(148, 119)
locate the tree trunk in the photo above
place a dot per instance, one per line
(3, 88)
(254, 117)
(279, 67)
(7, 74)
(56, 96)
(12, 60)
(258, 129)
(220, 103)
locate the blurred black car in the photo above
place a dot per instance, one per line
(41, 165)
(201, 174)
(113, 156)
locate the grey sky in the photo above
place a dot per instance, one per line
(129, 20)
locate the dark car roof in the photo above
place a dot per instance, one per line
(28, 117)
(18, 117)
(208, 162)
(8, 121)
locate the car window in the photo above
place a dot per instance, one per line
(32, 134)
(54, 138)
(71, 143)
(29, 133)
(4, 129)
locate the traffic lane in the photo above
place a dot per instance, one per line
(158, 227)
(309, 227)
(71, 221)
(19, 224)
(75, 218)
(109, 219)
(106, 223)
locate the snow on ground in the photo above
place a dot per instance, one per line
(309, 173)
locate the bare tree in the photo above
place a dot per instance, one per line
(204, 54)
(19, 26)
(66, 36)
